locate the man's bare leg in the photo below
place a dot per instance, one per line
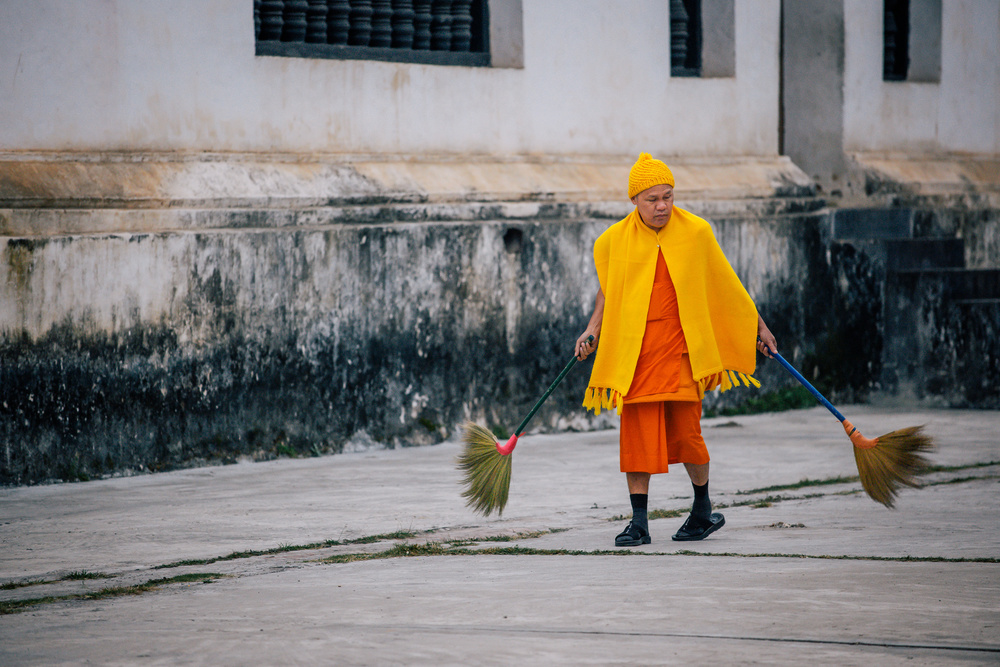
(638, 482)
(697, 472)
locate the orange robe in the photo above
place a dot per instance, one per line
(661, 416)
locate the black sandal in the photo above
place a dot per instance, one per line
(698, 529)
(632, 536)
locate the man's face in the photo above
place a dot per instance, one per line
(655, 205)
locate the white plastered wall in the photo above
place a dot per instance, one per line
(961, 113)
(181, 75)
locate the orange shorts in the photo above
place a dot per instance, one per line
(654, 435)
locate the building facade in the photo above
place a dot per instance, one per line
(287, 227)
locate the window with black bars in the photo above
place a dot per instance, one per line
(685, 37)
(896, 37)
(434, 32)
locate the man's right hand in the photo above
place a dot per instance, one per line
(585, 345)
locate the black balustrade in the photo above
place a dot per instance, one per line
(403, 28)
(685, 37)
(361, 23)
(338, 21)
(316, 22)
(422, 18)
(896, 33)
(461, 25)
(381, 23)
(445, 32)
(293, 28)
(441, 25)
(271, 19)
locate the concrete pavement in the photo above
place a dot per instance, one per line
(810, 572)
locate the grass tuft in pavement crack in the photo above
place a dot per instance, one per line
(371, 539)
(14, 606)
(800, 485)
(79, 575)
(287, 548)
(12, 585)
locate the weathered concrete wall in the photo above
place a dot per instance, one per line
(175, 347)
(187, 312)
(946, 329)
(266, 342)
(324, 254)
(190, 312)
(181, 75)
(179, 348)
(932, 244)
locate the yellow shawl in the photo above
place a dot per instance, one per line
(718, 317)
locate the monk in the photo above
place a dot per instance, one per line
(671, 320)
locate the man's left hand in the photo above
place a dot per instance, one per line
(765, 339)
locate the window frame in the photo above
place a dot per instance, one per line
(479, 54)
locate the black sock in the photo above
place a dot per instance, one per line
(639, 501)
(702, 507)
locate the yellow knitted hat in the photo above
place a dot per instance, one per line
(647, 172)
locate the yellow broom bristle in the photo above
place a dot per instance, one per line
(487, 471)
(896, 461)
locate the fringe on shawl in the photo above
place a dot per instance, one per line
(602, 398)
(726, 380)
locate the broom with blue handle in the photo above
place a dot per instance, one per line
(885, 463)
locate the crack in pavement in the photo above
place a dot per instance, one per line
(474, 629)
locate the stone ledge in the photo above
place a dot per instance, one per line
(947, 179)
(136, 181)
(47, 222)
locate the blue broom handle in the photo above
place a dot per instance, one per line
(569, 367)
(807, 385)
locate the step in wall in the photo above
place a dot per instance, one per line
(936, 319)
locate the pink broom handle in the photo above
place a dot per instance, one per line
(509, 447)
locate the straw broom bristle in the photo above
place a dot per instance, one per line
(894, 462)
(487, 471)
